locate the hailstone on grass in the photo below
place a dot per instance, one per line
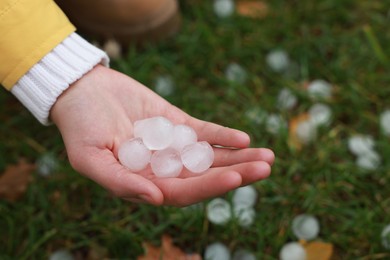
(361, 144)
(369, 160)
(223, 8)
(243, 255)
(319, 89)
(256, 115)
(244, 214)
(385, 236)
(286, 99)
(217, 251)
(218, 211)
(306, 131)
(305, 227)
(292, 251)
(320, 114)
(246, 196)
(236, 73)
(113, 49)
(47, 164)
(278, 60)
(164, 85)
(385, 122)
(275, 123)
(61, 254)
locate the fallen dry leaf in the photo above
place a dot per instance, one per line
(96, 252)
(252, 9)
(293, 139)
(317, 250)
(167, 251)
(14, 180)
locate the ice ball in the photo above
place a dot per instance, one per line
(47, 164)
(368, 161)
(292, 251)
(319, 89)
(242, 254)
(156, 132)
(166, 163)
(278, 60)
(218, 211)
(244, 214)
(164, 85)
(320, 114)
(113, 49)
(197, 157)
(183, 135)
(236, 73)
(246, 195)
(134, 155)
(217, 251)
(385, 236)
(305, 227)
(61, 254)
(361, 144)
(286, 99)
(385, 122)
(256, 115)
(223, 8)
(275, 123)
(306, 131)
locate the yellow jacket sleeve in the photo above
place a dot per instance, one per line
(29, 30)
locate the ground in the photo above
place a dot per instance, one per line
(345, 43)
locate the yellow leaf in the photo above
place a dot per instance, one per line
(252, 9)
(293, 139)
(167, 251)
(317, 250)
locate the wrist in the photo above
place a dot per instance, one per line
(40, 87)
(76, 95)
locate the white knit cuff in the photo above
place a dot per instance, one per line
(40, 87)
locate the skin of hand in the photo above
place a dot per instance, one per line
(96, 114)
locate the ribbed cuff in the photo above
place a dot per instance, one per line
(40, 87)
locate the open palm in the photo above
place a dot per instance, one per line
(96, 114)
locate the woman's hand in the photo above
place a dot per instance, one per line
(96, 114)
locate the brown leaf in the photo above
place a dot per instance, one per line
(317, 250)
(14, 181)
(252, 9)
(167, 251)
(96, 252)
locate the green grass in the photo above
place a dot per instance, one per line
(344, 42)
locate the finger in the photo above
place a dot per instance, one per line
(250, 171)
(227, 157)
(101, 166)
(219, 135)
(183, 192)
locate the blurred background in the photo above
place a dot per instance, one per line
(308, 79)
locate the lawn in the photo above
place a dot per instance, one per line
(346, 43)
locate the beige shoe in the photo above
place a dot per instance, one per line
(126, 21)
